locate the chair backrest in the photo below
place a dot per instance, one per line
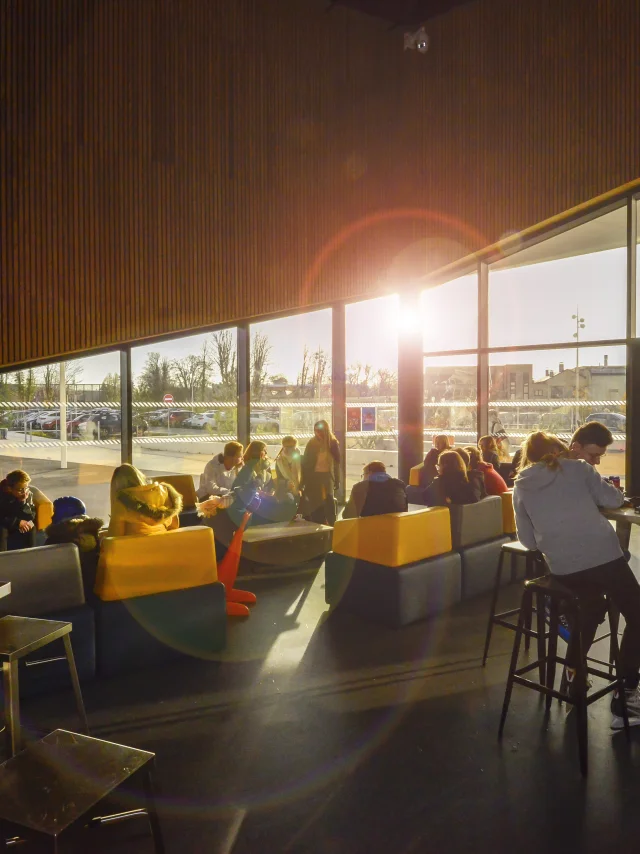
(414, 475)
(395, 539)
(508, 515)
(142, 565)
(43, 580)
(44, 508)
(476, 523)
(182, 483)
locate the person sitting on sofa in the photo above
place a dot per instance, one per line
(488, 448)
(494, 483)
(254, 480)
(289, 468)
(139, 506)
(376, 493)
(70, 524)
(17, 512)
(220, 473)
(429, 468)
(451, 486)
(474, 476)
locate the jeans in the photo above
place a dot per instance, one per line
(10, 540)
(617, 581)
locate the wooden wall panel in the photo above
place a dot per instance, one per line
(171, 164)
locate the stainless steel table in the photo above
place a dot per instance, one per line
(624, 518)
(56, 786)
(18, 637)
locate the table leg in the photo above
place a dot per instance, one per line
(12, 706)
(76, 684)
(152, 812)
(623, 530)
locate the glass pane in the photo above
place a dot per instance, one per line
(372, 385)
(569, 286)
(441, 329)
(450, 395)
(81, 463)
(558, 390)
(290, 374)
(185, 404)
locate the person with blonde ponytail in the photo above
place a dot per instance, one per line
(557, 503)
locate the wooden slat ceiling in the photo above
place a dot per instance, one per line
(167, 165)
(408, 13)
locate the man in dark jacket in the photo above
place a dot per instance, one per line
(17, 512)
(376, 493)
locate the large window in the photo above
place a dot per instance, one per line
(449, 315)
(372, 384)
(450, 392)
(290, 377)
(558, 390)
(184, 398)
(540, 294)
(36, 403)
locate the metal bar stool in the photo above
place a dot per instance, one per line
(562, 600)
(534, 564)
(18, 637)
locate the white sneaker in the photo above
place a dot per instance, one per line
(633, 709)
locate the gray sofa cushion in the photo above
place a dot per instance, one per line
(43, 580)
(479, 565)
(395, 596)
(476, 523)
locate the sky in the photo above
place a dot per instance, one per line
(527, 305)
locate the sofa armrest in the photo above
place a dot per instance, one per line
(44, 509)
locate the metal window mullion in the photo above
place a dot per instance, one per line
(339, 388)
(482, 411)
(632, 242)
(126, 406)
(244, 383)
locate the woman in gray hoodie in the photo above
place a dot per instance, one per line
(557, 504)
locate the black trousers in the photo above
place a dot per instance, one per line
(617, 581)
(10, 540)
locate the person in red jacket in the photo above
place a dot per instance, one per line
(494, 483)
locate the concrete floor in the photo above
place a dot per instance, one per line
(321, 733)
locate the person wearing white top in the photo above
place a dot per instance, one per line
(557, 504)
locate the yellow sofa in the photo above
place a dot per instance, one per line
(142, 565)
(182, 483)
(44, 508)
(508, 516)
(414, 475)
(395, 539)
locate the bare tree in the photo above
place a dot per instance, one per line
(156, 378)
(110, 388)
(303, 376)
(30, 385)
(320, 369)
(187, 373)
(260, 349)
(50, 378)
(224, 359)
(206, 368)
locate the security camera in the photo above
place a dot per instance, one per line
(417, 41)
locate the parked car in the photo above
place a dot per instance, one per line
(102, 425)
(178, 416)
(615, 421)
(264, 421)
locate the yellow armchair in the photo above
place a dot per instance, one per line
(395, 539)
(44, 508)
(414, 475)
(182, 483)
(142, 565)
(508, 516)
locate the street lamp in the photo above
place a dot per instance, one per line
(579, 325)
